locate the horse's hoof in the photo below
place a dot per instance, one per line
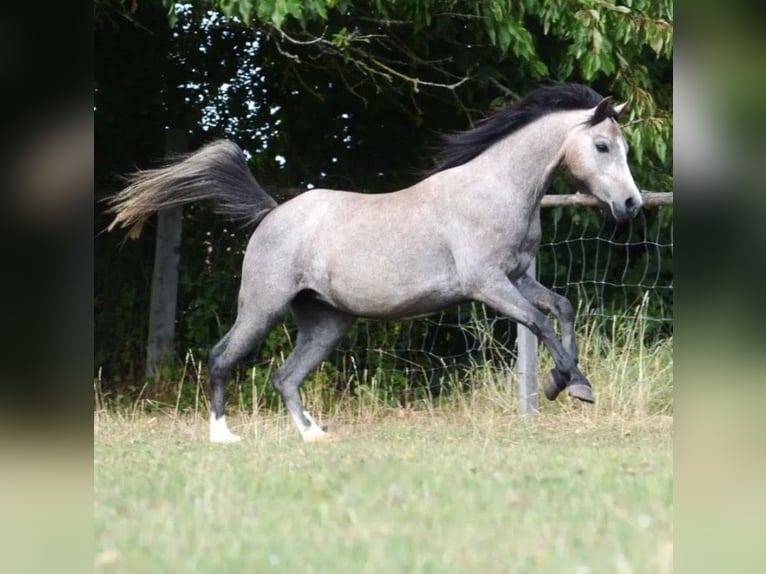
(224, 438)
(553, 384)
(219, 431)
(318, 437)
(582, 392)
(315, 434)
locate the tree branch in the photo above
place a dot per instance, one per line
(369, 64)
(315, 40)
(294, 57)
(507, 91)
(416, 82)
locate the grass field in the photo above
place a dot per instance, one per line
(423, 493)
(458, 484)
(435, 491)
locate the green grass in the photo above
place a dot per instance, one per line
(458, 483)
(439, 492)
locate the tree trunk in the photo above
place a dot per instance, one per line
(162, 311)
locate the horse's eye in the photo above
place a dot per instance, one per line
(602, 147)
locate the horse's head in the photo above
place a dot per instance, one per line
(596, 155)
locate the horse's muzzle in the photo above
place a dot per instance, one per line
(628, 210)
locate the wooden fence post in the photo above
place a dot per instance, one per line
(164, 295)
(526, 364)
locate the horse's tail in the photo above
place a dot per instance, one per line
(217, 172)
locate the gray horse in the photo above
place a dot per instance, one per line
(467, 232)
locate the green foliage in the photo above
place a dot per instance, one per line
(625, 47)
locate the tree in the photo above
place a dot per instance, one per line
(466, 52)
(444, 46)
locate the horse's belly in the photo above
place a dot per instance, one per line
(386, 261)
(379, 291)
(385, 304)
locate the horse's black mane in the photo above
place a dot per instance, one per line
(462, 147)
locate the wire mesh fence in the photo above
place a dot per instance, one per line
(607, 270)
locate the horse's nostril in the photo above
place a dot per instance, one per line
(630, 204)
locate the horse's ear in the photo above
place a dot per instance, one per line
(603, 110)
(620, 108)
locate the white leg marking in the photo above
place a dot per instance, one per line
(312, 433)
(219, 431)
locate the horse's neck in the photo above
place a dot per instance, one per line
(526, 160)
(513, 174)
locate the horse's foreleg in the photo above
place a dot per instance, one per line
(546, 300)
(507, 298)
(320, 329)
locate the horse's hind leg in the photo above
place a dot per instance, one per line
(251, 326)
(320, 329)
